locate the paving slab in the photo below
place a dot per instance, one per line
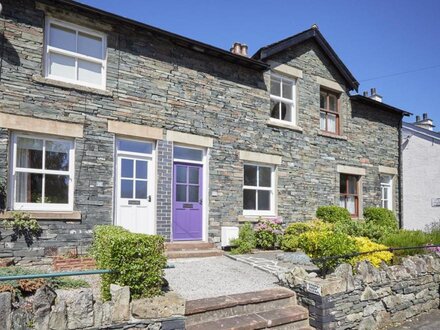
(427, 321)
(215, 276)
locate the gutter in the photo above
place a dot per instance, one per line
(192, 44)
(400, 176)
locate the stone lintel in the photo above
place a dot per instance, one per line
(388, 170)
(44, 126)
(260, 158)
(351, 170)
(330, 84)
(285, 69)
(190, 139)
(140, 131)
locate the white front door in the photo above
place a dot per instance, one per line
(135, 186)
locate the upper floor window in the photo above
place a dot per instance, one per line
(282, 96)
(386, 187)
(75, 54)
(258, 190)
(349, 193)
(329, 112)
(42, 173)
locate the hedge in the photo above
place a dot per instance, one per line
(333, 214)
(137, 260)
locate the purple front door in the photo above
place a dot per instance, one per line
(187, 202)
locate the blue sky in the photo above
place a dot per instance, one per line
(374, 38)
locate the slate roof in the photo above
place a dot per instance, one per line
(313, 33)
(377, 104)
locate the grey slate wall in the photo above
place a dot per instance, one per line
(152, 81)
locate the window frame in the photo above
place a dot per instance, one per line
(17, 206)
(289, 102)
(327, 111)
(346, 195)
(271, 189)
(48, 49)
(388, 185)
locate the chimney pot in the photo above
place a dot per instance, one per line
(365, 93)
(425, 116)
(373, 91)
(244, 50)
(417, 119)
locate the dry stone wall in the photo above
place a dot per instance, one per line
(50, 309)
(371, 299)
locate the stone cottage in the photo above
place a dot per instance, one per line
(105, 120)
(420, 173)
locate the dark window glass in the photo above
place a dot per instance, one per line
(29, 153)
(135, 146)
(57, 155)
(56, 189)
(127, 168)
(126, 188)
(264, 200)
(249, 199)
(193, 194)
(250, 175)
(188, 153)
(181, 193)
(141, 189)
(29, 188)
(193, 175)
(181, 174)
(141, 169)
(265, 176)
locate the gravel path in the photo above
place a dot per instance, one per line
(215, 276)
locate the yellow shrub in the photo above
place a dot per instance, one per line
(365, 245)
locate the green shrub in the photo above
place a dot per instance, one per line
(290, 239)
(137, 260)
(333, 214)
(381, 217)
(326, 243)
(406, 238)
(433, 229)
(246, 240)
(268, 233)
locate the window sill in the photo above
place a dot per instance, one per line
(256, 218)
(62, 84)
(333, 136)
(283, 124)
(42, 215)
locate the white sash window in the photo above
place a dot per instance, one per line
(386, 187)
(42, 173)
(75, 54)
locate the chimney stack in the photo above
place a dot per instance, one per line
(425, 122)
(365, 93)
(239, 49)
(375, 96)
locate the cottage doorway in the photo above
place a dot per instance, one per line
(134, 189)
(188, 192)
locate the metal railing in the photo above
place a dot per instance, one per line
(61, 274)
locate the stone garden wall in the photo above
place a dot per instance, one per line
(371, 299)
(80, 309)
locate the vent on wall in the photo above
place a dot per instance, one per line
(228, 234)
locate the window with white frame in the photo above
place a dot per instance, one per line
(282, 99)
(75, 54)
(386, 187)
(258, 190)
(42, 173)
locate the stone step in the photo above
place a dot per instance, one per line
(291, 317)
(211, 309)
(193, 253)
(190, 245)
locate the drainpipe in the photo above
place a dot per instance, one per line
(399, 169)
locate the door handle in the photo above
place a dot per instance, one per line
(149, 198)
